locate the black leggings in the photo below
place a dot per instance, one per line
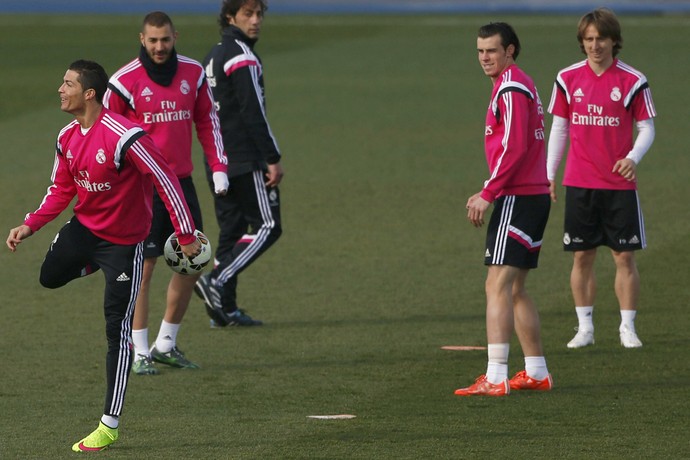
(76, 252)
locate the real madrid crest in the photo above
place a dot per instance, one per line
(100, 156)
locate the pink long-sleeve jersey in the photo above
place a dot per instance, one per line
(112, 168)
(168, 112)
(601, 111)
(514, 138)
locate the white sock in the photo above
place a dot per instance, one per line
(140, 338)
(584, 318)
(497, 368)
(110, 421)
(167, 336)
(535, 367)
(628, 319)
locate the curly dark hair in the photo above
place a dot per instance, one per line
(231, 7)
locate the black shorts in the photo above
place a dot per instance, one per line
(516, 230)
(610, 218)
(162, 227)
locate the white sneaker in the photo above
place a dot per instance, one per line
(629, 338)
(582, 339)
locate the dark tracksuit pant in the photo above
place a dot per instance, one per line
(249, 221)
(76, 252)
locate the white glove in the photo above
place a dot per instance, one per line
(220, 183)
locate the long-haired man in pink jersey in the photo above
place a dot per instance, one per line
(595, 105)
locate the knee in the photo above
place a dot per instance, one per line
(49, 283)
(625, 260)
(584, 259)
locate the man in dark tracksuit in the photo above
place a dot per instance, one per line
(249, 214)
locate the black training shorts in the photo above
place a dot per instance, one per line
(516, 230)
(162, 227)
(610, 218)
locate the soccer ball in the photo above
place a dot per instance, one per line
(179, 262)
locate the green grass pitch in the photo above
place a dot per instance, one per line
(380, 119)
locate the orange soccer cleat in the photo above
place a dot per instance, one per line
(482, 387)
(522, 381)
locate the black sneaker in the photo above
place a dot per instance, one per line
(240, 318)
(211, 297)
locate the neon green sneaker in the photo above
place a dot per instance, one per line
(144, 366)
(174, 358)
(99, 439)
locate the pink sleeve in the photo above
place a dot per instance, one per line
(114, 102)
(57, 198)
(208, 130)
(149, 160)
(559, 102)
(515, 143)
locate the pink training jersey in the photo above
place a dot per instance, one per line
(167, 112)
(514, 138)
(111, 169)
(601, 111)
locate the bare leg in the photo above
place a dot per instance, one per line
(627, 284)
(527, 325)
(582, 281)
(499, 328)
(584, 286)
(180, 291)
(499, 303)
(627, 287)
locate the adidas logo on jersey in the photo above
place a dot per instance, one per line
(579, 93)
(146, 92)
(123, 277)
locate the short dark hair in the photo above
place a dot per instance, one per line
(606, 23)
(157, 19)
(231, 7)
(91, 76)
(507, 33)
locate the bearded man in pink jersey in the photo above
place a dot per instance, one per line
(517, 186)
(595, 104)
(111, 166)
(166, 93)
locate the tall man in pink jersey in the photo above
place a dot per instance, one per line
(595, 104)
(517, 186)
(166, 93)
(111, 166)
